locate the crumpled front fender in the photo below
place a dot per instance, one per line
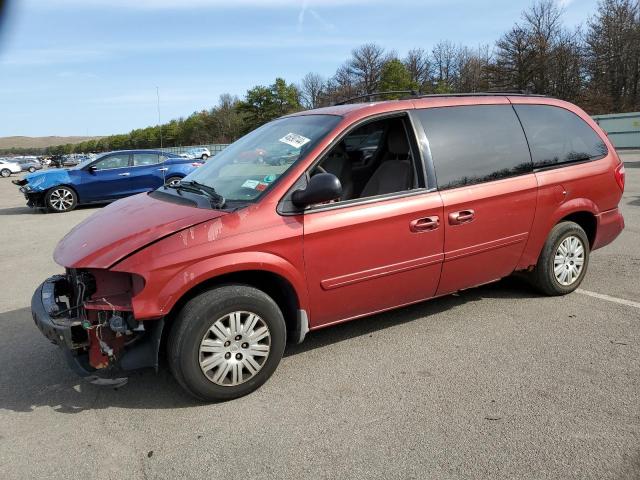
(42, 181)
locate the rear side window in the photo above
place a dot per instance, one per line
(474, 144)
(558, 136)
(145, 159)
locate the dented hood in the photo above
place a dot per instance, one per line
(123, 227)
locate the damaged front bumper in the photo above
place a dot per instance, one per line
(62, 325)
(35, 198)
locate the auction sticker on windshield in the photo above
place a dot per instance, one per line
(295, 140)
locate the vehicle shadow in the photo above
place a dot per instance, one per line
(34, 374)
(18, 211)
(39, 211)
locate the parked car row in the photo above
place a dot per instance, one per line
(202, 153)
(102, 179)
(7, 168)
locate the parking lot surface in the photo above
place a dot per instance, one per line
(495, 382)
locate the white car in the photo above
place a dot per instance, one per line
(198, 152)
(7, 168)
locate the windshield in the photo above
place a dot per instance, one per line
(245, 169)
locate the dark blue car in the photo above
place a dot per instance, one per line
(106, 178)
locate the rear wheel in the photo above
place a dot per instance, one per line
(5, 172)
(226, 342)
(32, 169)
(564, 259)
(204, 156)
(61, 199)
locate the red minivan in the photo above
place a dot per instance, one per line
(326, 216)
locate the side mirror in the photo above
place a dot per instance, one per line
(322, 187)
(92, 169)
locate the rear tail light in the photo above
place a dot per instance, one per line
(197, 164)
(619, 173)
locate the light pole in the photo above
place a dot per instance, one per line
(159, 124)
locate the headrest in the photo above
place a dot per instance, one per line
(397, 141)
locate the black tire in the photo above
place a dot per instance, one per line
(61, 199)
(204, 157)
(543, 277)
(171, 180)
(5, 172)
(193, 323)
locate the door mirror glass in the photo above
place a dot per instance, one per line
(323, 187)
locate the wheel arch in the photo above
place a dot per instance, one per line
(580, 210)
(66, 185)
(279, 288)
(587, 220)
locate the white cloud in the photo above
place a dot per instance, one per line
(77, 55)
(188, 4)
(51, 56)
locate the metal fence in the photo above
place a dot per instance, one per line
(214, 148)
(623, 129)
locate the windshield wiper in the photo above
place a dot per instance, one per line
(217, 200)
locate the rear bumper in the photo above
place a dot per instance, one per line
(610, 225)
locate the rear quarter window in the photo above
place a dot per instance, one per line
(558, 136)
(474, 144)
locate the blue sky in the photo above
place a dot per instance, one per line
(91, 67)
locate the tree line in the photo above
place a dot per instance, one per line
(596, 65)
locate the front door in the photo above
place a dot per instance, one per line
(382, 247)
(108, 180)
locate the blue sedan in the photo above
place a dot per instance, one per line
(106, 178)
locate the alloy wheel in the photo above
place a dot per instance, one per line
(234, 348)
(5, 172)
(569, 260)
(61, 199)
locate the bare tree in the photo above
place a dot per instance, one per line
(365, 66)
(473, 69)
(418, 64)
(566, 66)
(444, 55)
(543, 25)
(513, 66)
(613, 53)
(312, 89)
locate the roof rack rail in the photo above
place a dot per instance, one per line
(514, 93)
(411, 93)
(416, 94)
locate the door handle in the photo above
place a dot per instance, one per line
(463, 216)
(425, 224)
(163, 169)
(125, 174)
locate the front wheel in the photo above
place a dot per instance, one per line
(226, 342)
(563, 261)
(5, 172)
(61, 199)
(32, 169)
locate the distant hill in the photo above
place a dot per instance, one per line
(39, 142)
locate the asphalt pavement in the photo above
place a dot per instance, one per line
(495, 382)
